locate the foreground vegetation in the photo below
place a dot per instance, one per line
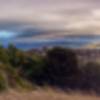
(57, 67)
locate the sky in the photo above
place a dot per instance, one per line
(28, 23)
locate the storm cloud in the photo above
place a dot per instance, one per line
(48, 20)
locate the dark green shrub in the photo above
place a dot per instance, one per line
(4, 58)
(62, 68)
(33, 69)
(90, 77)
(3, 83)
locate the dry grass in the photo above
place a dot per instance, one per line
(47, 94)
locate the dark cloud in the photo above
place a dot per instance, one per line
(30, 32)
(20, 29)
(46, 20)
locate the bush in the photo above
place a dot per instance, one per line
(3, 83)
(33, 69)
(90, 77)
(62, 68)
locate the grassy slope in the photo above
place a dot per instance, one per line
(48, 94)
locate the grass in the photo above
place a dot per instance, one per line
(46, 94)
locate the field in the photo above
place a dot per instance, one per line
(47, 94)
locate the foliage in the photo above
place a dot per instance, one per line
(62, 66)
(56, 67)
(33, 69)
(90, 77)
(3, 84)
(4, 58)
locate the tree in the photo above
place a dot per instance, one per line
(90, 77)
(62, 67)
(4, 58)
(14, 55)
(33, 69)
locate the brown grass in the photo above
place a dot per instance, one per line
(47, 94)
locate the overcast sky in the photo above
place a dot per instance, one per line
(43, 20)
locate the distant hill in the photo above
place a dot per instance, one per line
(95, 45)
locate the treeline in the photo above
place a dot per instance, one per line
(58, 68)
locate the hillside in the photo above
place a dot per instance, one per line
(55, 67)
(94, 45)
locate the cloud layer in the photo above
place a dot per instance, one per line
(47, 20)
